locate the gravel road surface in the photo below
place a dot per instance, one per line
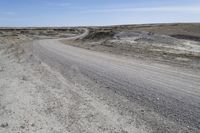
(163, 98)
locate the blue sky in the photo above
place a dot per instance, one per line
(96, 12)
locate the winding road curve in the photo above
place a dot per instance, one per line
(173, 94)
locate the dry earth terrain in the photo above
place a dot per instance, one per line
(175, 44)
(116, 79)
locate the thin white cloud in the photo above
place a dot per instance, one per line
(144, 9)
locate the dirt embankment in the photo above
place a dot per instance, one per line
(163, 29)
(176, 44)
(100, 35)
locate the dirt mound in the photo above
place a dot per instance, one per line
(99, 35)
(1, 33)
(186, 37)
(146, 37)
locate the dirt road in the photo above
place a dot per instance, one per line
(49, 87)
(166, 99)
